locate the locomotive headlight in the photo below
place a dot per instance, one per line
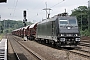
(62, 39)
(77, 39)
(76, 34)
(62, 34)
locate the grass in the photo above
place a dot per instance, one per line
(1, 35)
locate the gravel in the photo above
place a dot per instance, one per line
(50, 53)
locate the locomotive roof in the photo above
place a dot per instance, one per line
(47, 20)
(55, 17)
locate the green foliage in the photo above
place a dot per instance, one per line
(1, 35)
(9, 25)
(85, 33)
(81, 13)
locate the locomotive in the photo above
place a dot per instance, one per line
(61, 30)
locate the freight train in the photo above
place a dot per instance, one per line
(61, 30)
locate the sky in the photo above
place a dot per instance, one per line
(13, 9)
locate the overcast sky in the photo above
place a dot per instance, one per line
(13, 9)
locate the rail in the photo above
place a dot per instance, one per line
(31, 51)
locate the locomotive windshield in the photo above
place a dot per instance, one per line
(70, 21)
(63, 22)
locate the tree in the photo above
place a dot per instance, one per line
(1, 29)
(9, 25)
(15, 26)
(81, 13)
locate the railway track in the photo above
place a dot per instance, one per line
(82, 53)
(15, 53)
(77, 51)
(18, 57)
(86, 41)
(83, 44)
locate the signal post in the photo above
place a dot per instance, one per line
(24, 21)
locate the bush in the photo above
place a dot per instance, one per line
(85, 33)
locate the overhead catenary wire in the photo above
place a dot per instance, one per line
(50, 7)
(57, 4)
(16, 3)
(15, 7)
(12, 9)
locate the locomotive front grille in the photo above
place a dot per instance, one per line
(72, 39)
(69, 34)
(68, 41)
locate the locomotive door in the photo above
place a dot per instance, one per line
(53, 29)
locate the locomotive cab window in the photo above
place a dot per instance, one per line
(63, 22)
(72, 22)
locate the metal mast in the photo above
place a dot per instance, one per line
(46, 9)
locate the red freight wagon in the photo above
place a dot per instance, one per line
(32, 31)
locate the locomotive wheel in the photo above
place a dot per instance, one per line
(53, 43)
(40, 40)
(58, 45)
(47, 41)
